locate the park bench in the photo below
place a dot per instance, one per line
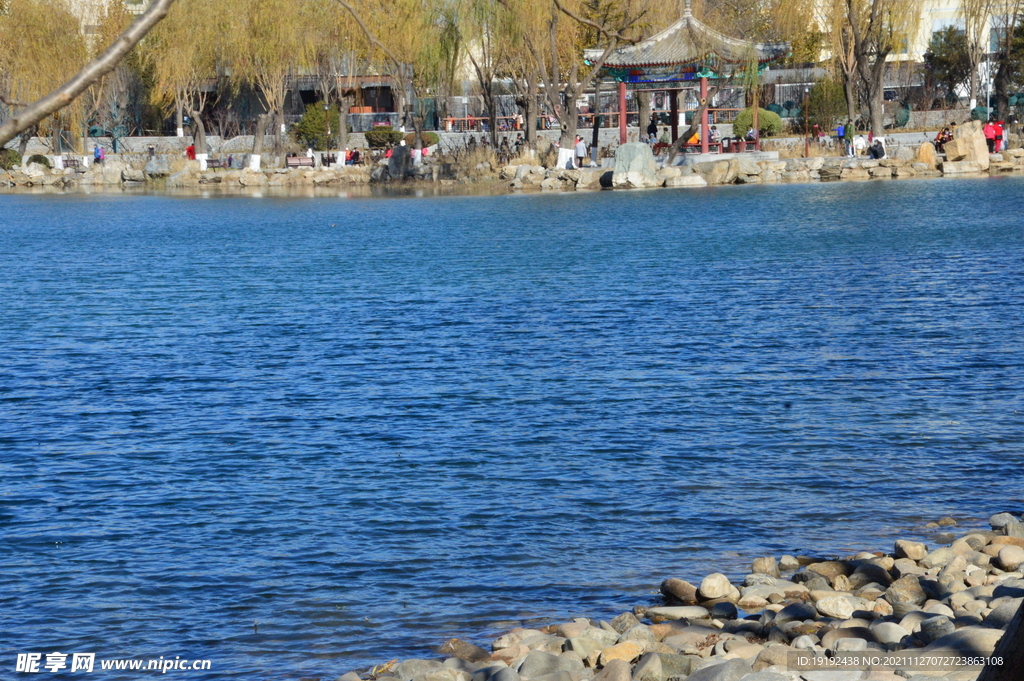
(73, 163)
(328, 159)
(298, 162)
(216, 163)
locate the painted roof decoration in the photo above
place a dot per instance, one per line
(689, 44)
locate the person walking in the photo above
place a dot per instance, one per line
(848, 137)
(97, 154)
(581, 151)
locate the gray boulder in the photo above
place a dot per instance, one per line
(130, 174)
(1000, 617)
(157, 167)
(730, 670)
(635, 167)
(400, 163)
(648, 668)
(407, 669)
(540, 663)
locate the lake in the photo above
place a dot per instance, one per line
(367, 425)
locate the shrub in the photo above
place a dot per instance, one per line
(9, 158)
(768, 122)
(385, 136)
(311, 131)
(429, 139)
(40, 159)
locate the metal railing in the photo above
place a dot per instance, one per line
(662, 117)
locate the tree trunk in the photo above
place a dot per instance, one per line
(346, 102)
(261, 131)
(595, 136)
(179, 117)
(974, 85)
(279, 137)
(698, 115)
(568, 121)
(1002, 84)
(55, 136)
(200, 134)
(418, 121)
(643, 97)
(850, 90)
(1011, 650)
(876, 109)
(26, 137)
(530, 112)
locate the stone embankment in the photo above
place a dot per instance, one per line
(950, 600)
(635, 167)
(114, 173)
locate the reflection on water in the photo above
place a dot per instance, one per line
(360, 191)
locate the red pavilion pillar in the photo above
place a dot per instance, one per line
(622, 112)
(704, 116)
(673, 113)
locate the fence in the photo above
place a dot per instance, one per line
(585, 120)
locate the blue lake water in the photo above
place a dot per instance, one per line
(373, 424)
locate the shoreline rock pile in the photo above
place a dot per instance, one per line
(952, 600)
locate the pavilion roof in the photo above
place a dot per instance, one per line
(689, 42)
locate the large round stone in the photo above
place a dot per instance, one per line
(906, 590)
(765, 565)
(1011, 557)
(679, 589)
(841, 607)
(715, 585)
(914, 550)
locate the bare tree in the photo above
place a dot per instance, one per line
(878, 28)
(32, 113)
(975, 14)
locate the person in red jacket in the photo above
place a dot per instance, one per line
(999, 136)
(990, 136)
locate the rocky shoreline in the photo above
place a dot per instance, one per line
(790, 619)
(635, 167)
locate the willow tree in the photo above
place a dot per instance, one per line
(843, 61)
(490, 36)
(32, 67)
(975, 15)
(878, 29)
(29, 114)
(555, 32)
(338, 48)
(415, 41)
(268, 41)
(182, 55)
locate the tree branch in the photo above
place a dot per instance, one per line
(611, 33)
(369, 34)
(90, 73)
(11, 102)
